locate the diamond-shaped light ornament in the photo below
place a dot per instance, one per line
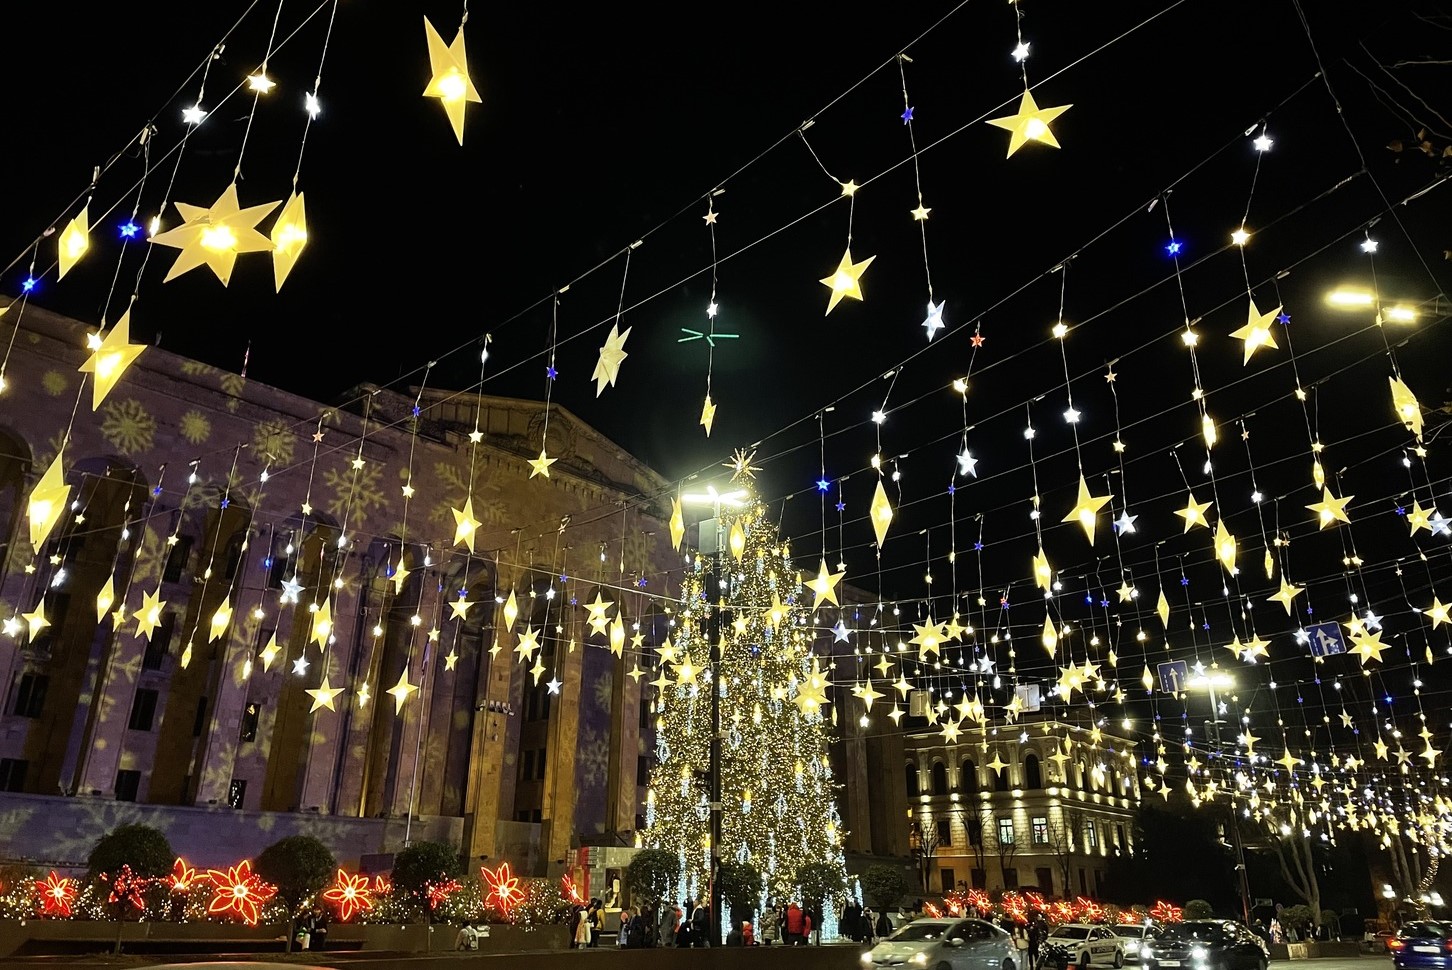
(289, 236)
(881, 510)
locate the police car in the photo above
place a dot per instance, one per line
(1082, 945)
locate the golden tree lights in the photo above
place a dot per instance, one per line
(778, 797)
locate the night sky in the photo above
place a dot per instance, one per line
(604, 124)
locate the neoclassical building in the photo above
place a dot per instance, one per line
(1041, 806)
(309, 665)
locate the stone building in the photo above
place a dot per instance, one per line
(197, 493)
(1042, 807)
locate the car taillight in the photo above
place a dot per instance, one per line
(1396, 944)
(1447, 946)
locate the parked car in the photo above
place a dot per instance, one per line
(945, 944)
(1210, 944)
(1422, 945)
(1131, 936)
(1082, 945)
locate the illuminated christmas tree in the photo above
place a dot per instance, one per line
(779, 802)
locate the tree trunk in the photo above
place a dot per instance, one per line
(1300, 875)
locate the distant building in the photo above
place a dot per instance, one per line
(217, 741)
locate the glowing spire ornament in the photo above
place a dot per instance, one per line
(708, 415)
(1258, 331)
(47, 503)
(881, 510)
(1408, 409)
(449, 67)
(612, 354)
(845, 282)
(105, 598)
(220, 621)
(214, 236)
(109, 360)
(74, 240)
(269, 653)
(1086, 508)
(289, 236)
(1225, 547)
(1031, 123)
(677, 523)
(1043, 572)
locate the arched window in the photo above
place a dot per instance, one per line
(1032, 775)
(912, 780)
(1003, 780)
(940, 778)
(968, 777)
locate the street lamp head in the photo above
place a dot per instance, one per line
(1212, 679)
(1350, 298)
(734, 499)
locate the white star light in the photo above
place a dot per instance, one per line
(553, 684)
(934, 321)
(290, 590)
(1439, 525)
(1368, 245)
(300, 666)
(1021, 52)
(840, 631)
(1263, 142)
(1124, 525)
(311, 105)
(711, 309)
(879, 417)
(1372, 621)
(967, 464)
(193, 115)
(1071, 416)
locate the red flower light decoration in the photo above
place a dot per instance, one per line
(570, 891)
(1167, 912)
(239, 890)
(381, 886)
(979, 900)
(1088, 910)
(183, 876)
(504, 890)
(56, 895)
(126, 888)
(438, 893)
(350, 894)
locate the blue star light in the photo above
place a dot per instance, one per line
(226, 502)
(823, 484)
(841, 506)
(1184, 580)
(550, 372)
(977, 547)
(952, 489)
(415, 410)
(129, 230)
(907, 115)
(1284, 318)
(1104, 603)
(1173, 247)
(29, 284)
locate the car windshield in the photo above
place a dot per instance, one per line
(1131, 930)
(1208, 932)
(921, 930)
(1071, 932)
(1424, 930)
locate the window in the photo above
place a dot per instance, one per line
(537, 703)
(1091, 835)
(1001, 780)
(160, 643)
(1119, 842)
(1005, 831)
(968, 778)
(128, 782)
(250, 714)
(642, 771)
(199, 721)
(1010, 879)
(176, 560)
(143, 710)
(30, 695)
(526, 766)
(234, 554)
(12, 774)
(644, 715)
(949, 881)
(945, 833)
(1039, 830)
(237, 793)
(1033, 776)
(1046, 881)
(980, 878)
(912, 779)
(940, 778)
(539, 766)
(975, 831)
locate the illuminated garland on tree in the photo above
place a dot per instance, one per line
(779, 808)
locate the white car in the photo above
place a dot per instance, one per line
(1082, 945)
(1131, 937)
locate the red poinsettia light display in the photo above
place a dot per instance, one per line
(126, 888)
(1166, 912)
(350, 894)
(183, 877)
(239, 890)
(570, 891)
(56, 895)
(503, 885)
(438, 893)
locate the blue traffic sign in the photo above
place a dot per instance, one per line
(1326, 639)
(1173, 676)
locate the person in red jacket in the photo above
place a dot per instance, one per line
(794, 924)
(806, 929)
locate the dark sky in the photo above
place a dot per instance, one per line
(600, 123)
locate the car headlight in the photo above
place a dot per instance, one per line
(920, 958)
(1198, 953)
(1146, 952)
(867, 957)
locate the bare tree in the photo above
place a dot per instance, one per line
(1292, 846)
(1005, 849)
(1065, 831)
(924, 841)
(977, 820)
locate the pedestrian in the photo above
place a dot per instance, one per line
(793, 936)
(597, 922)
(683, 926)
(748, 933)
(467, 938)
(622, 934)
(582, 927)
(701, 925)
(1035, 939)
(736, 937)
(807, 925)
(303, 934)
(884, 925)
(318, 933)
(770, 921)
(665, 923)
(868, 920)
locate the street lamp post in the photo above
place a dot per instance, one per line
(1210, 680)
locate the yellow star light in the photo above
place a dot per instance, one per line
(460, 609)
(1086, 508)
(401, 690)
(1194, 513)
(599, 619)
(289, 236)
(105, 598)
(1286, 596)
(35, 620)
(47, 503)
(511, 611)
(214, 236)
(109, 361)
(1381, 749)
(881, 510)
(845, 282)
(322, 624)
(1289, 761)
(1225, 547)
(449, 80)
(541, 465)
(1043, 572)
(1249, 740)
(1420, 518)
(928, 637)
(708, 415)
(824, 587)
(450, 660)
(270, 652)
(1031, 123)
(1258, 331)
(1408, 409)
(74, 240)
(868, 695)
(400, 576)
(1430, 754)
(1331, 509)
(1256, 648)
(220, 621)
(685, 672)
(1368, 646)
(1437, 613)
(607, 368)
(465, 525)
(678, 524)
(1050, 636)
(617, 637)
(323, 695)
(528, 643)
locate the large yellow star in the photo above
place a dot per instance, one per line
(460, 609)
(220, 621)
(1289, 761)
(1368, 646)
(607, 368)
(323, 695)
(1031, 123)
(825, 586)
(1437, 613)
(528, 643)
(289, 236)
(73, 241)
(541, 465)
(322, 624)
(1043, 572)
(47, 503)
(465, 525)
(1258, 331)
(845, 282)
(214, 236)
(269, 653)
(1420, 518)
(1194, 513)
(401, 690)
(148, 618)
(1407, 406)
(1086, 508)
(599, 613)
(1331, 509)
(1286, 596)
(449, 80)
(110, 360)
(1225, 547)
(708, 415)
(678, 524)
(35, 620)
(928, 637)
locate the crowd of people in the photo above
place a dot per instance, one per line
(688, 924)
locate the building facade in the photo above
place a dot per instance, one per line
(324, 539)
(1045, 808)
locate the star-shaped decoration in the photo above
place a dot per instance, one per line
(289, 235)
(221, 619)
(148, 617)
(967, 464)
(47, 502)
(1438, 612)
(400, 576)
(1286, 595)
(73, 241)
(1420, 518)
(742, 469)
(1194, 513)
(907, 114)
(553, 685)
(996, 764)
(35, 620)
(1431, 754)
(459, 609)
(881, 513)
(951, 732)
(193, 115)
(612, 354)
(708, 415)
(260, 83)
(538, 670)
(269, 653)
(1086, 508)
(1126, 592)
(1249, 741)
(1257, 332)
(450, 660)
(300, 666)
(934, 321)
(1368, 646)
(845, 282)
(868, 694)
(540, 465)
(215, 235)
(1240, 237)
(711, 213)
(1345, 719)
(928, 637)
(840, 632)
(465, 525)
(449, 77)
(1256, 648)
(322, 624)
(110, 359)
(1043, 571)
(599, 619)
(1381, 748)
(1021, 52)
(1331, 509)
(824, 587)
(401, 691)
(323, 695)
(528, 644)
(1225, 547)
(883, 665)
(1031, 123)
(920, 214)
(1124, 525)
(1403, 756)
(1289, 761)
